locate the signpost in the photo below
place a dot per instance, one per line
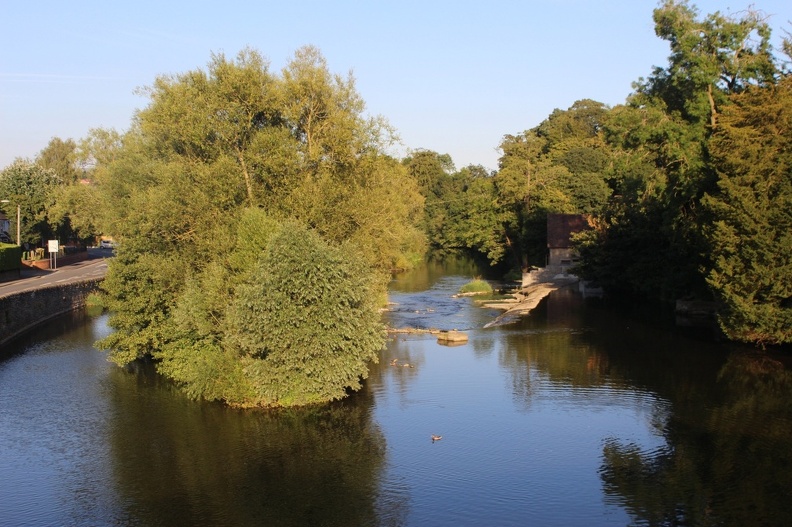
(52, 247)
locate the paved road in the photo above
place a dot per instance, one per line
(94, 267)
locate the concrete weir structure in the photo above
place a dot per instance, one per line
(21, 312)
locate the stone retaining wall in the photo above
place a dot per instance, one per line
(22, 311)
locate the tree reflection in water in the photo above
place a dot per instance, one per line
(728, 459)
(723, 414)
(184, 463)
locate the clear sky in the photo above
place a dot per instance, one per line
(450, 76)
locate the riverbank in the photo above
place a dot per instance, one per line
(39, 295)
(20, 312)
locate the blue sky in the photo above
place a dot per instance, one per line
(450, 76)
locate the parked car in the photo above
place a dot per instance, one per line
(105, 244)
(5, 238)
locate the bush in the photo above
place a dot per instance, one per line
(476, 286)
(10, 257)
(300, 328)
(305, 324)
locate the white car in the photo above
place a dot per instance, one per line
(105, 244)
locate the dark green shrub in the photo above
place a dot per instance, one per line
(10, 257)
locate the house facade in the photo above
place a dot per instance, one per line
(560, 228)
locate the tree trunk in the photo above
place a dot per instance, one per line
(713, 110)
(248, 180)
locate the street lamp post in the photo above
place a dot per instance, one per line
(18, 218)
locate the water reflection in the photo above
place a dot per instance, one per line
(425, 277)
(718, 420)
(86, 443)
(184, 463)
(727, 460)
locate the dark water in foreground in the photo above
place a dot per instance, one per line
(574, 416)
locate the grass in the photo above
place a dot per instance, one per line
(476, 286)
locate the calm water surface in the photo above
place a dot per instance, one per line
(574, 416)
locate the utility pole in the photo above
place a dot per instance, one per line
(18, 222)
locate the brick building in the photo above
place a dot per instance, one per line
(560, 228)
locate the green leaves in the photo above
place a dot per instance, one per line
(304, 323)
(213, 193)
(751, 236)
(653, 241)
(33, 189)
(560, 166)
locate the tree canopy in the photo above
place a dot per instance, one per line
(700, 177)
(32, 188)
(259, 213)
(751, 235)
(559, 166)
(255, 211)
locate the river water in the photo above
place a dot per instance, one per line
(576, 415)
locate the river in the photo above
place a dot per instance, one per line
(575, 416)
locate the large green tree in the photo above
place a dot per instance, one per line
(434, 174)
(300, 326)
(559, 166)
(751, 235)
(651, 240)
(77, 207)
(477, 222)
(257, 217)
(32, 188)
(60, 156)
(462, 210)
(212, 146)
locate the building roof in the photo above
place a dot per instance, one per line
(561, 226)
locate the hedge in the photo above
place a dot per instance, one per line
(10, 257)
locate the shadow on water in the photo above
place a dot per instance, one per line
(426, 276)
(71, 326)
(180, 462)
(183, 463)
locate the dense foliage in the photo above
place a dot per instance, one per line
(258, 213)
(301, 326)
(751, 235)
(50, 192)
(476, 286)
(257, 216)
(700, 177)
(558, 167)
(10, 256)
(32, 188)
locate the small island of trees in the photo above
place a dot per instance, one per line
(259, 213)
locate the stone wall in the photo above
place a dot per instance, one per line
(22, 311)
